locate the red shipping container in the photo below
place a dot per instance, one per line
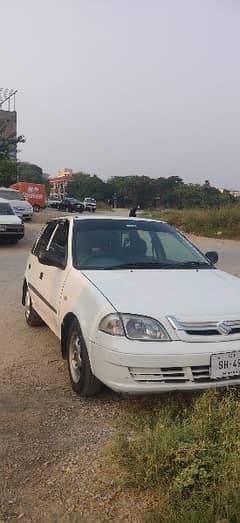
(34, 193)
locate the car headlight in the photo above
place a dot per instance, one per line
(134, 327)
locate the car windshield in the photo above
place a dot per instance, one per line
(5, 209)
(90, 200)
(11, 195)
(108, 244)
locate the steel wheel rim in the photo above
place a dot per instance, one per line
(75, 359)
(27, 305)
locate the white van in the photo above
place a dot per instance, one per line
(21, 207)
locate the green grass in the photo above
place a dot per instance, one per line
(223, 222)
(186, 454)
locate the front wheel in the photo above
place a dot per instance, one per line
(82, 379)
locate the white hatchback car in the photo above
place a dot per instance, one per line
(21, 207)
(135, 305)
(11, 227)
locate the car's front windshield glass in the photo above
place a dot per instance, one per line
(11, 195)
(6, 209)
(102, 244)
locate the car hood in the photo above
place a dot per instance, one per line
(21, 204)
(11, 219)
(186, 294)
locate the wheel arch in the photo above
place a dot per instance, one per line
(68, 319)
(24, 290)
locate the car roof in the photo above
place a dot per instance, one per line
(104, 217)
(3, 200)
(8, 189)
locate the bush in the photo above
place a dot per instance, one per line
(223, 222)
(189, 455)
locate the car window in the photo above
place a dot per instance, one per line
(6, 209)
(43, 240)
(59, 241)
(11, 195)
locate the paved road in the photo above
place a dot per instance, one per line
(49, 438)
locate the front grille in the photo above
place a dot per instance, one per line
(171, 375)
(14, 228)
(219, 329)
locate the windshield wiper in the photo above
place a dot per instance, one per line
(161, 265)
(141, 265)
(192, 265)
(153, 265)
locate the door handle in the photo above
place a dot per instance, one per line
(41, 275)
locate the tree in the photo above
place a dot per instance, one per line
(83, 185)
(133, 190)
(30, 172)
(8, 142)
(8, 146)
(8, 172)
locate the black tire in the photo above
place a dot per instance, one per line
(31, 316)
(82, 379)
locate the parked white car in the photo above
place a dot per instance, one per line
(90, 204)
(11, 227)
(21, 207)
(135, 305)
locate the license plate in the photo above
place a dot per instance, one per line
(225, 365)
(2, 228)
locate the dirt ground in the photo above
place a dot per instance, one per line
(52, 463)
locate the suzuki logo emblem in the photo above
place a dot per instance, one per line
(224, 328)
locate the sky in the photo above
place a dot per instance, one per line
(126, 87)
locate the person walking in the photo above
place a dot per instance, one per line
(133, 212)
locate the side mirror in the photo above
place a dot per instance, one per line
(212, 256)
(51, 259)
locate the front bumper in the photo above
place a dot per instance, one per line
(170, 367)
(25, 215)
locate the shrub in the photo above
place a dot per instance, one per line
(205, 222)
(189, 455)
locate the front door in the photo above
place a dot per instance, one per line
(45, 282)
(53, 278)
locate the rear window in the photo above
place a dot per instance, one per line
(6, 209)
(11, 195)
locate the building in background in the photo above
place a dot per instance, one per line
(235, 193)
(59, 183)
(8, 117)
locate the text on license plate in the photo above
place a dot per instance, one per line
(225, 364)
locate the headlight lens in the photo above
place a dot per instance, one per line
(112, 324)
(134, 327)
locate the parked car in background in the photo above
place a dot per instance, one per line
(34, 193)
(71, 205)
(135, 305)
(21, 207)
(53, 202)
(90, 204)
(11, 226)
